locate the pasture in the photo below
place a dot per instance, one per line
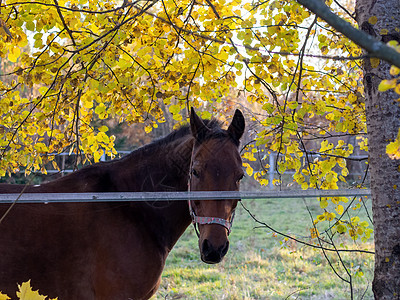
(263, 265)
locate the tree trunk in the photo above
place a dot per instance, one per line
(383, 122)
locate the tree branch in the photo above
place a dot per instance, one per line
(200, 34)
(374, 47)
(320, 247)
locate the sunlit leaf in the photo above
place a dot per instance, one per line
(26, 293)
(14, 54)
(4, 297)
(387, 84)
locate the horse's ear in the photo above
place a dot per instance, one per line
(197, 126)
(236, 128)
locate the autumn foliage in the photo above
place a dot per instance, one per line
(69, 64)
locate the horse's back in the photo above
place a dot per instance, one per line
(6, 188)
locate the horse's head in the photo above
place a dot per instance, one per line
(216, 165)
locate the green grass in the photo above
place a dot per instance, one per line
(263, 265)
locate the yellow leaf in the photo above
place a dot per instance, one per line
(330, 216)
(393, 149)
(323, 203)
(22, 42)
(26, 293)
(249, 156)
(268, 107)
(304, 185)
(125, 61)
(314, 232)
(372, 20)
(14, 54)
(166, 28)
(102, 137)
(174, 109)
(341, 228)
(387, 84)
(4, 297)
(43, 90)
(100, 110)
(55, 166)
(87, 103)
(384, 31)
(97, 155)
(374, 62)
(340, 209)
(249, 169)
(397, 89)
(176, 117)
(393, 44)
(30, 25)
(103, 128)
(148, 128)
(205, 115)
(41, 147)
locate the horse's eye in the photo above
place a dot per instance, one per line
(195, 173)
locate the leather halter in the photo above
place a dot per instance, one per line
(210, 220)
(205, 220)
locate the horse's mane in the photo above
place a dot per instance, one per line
(213, 124)
(216, 132)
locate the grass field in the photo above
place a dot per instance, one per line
(263, 265)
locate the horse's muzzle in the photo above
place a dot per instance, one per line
(211, 254)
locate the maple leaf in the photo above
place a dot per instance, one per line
(26, 293)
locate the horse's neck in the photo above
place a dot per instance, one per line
(158, 169)
(173, 219)
(166, 169)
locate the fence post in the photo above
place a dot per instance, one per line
(271, 170)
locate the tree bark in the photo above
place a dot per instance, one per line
(383, 122)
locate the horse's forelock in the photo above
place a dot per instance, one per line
(216, 132)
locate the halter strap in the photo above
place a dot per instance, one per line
(205, 220)
(210, 220)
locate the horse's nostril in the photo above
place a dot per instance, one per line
(206, 247)
(212, 255)
(225, 249)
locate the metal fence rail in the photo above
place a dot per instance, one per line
(174, 196)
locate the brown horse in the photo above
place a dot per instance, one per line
(117, 250)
